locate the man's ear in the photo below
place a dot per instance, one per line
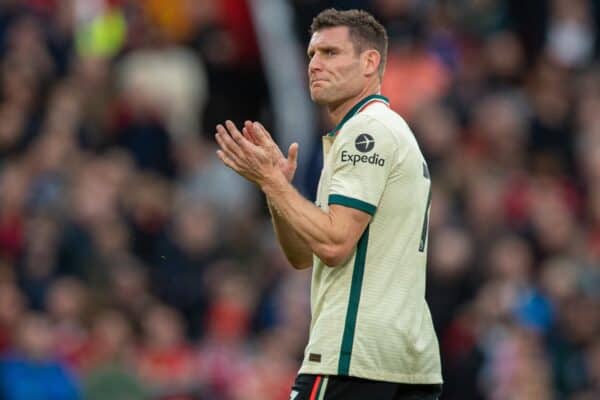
(370, 61)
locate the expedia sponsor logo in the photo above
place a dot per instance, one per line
(373, 159)
(364, 143)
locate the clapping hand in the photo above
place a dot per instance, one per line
(256, 133)
(254, 154)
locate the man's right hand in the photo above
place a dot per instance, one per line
(257, 134)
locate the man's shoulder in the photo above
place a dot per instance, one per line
(378, 119)
(386, 116)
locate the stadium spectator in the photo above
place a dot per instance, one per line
(109, 364)
(30, 369)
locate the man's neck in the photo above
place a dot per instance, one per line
(338, 111)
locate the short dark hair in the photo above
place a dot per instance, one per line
(365, 31)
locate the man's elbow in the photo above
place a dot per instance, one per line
(334, 255)
(300, 262)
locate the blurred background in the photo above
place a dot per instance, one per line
(133, 265)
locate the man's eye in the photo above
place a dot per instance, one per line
(330, 52)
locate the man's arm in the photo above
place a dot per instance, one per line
(294, 247)
(331, 235)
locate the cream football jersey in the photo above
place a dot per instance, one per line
(369, 315)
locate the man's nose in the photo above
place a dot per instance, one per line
(315, 64)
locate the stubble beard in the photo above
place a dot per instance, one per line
(323, 97)
(319, 100)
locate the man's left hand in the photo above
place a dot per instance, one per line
(250, 160)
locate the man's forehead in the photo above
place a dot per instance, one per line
(335, 36)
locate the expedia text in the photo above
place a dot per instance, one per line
(373, 159)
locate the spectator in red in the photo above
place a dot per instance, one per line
(165, 361)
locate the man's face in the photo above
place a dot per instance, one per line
(334, 70)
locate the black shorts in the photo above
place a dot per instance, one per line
(331, 387)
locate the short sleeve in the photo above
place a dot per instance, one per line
(365, 152)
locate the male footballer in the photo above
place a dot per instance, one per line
(371, 334)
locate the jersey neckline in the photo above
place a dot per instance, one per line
(358, 107)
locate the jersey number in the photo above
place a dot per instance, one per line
(426, 216)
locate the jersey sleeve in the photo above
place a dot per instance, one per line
(365, 152)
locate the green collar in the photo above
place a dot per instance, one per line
(357, 108)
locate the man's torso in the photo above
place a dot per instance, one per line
(369, 316)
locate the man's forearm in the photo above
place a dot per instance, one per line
(295, 248)
(314, 226)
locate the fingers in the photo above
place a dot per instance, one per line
(293, 153)
(248, 132)
(265, 139)
(264, 130)
(259, 133)
(227, 144)
(238, 145)
(239, 153)
(227, 160)
(228, 153)
(236, 135)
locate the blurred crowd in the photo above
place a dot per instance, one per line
(133, 265)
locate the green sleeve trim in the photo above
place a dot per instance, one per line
(352, 203)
